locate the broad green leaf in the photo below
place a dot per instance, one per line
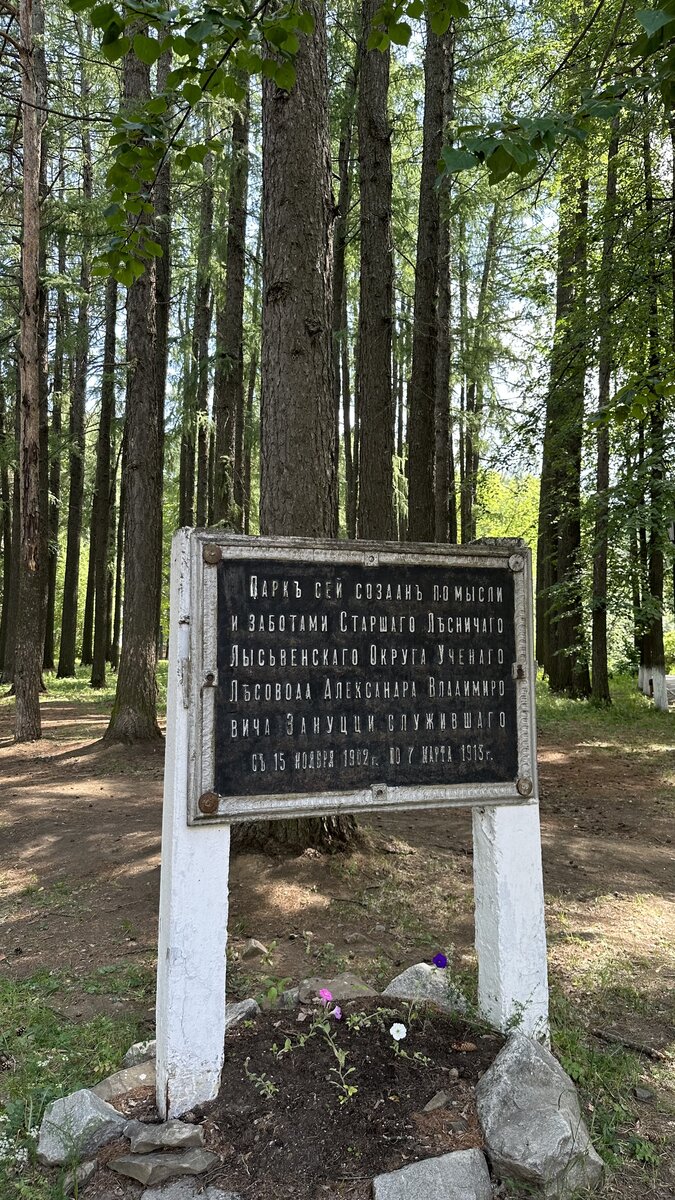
(192, 93)
(103, 14)
(284, 76)
(152, 248)
(305, 22)
(457, 160)
(653, 19)
(146, 48)
(401, 33)
(116, 50)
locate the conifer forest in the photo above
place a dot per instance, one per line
(396, 271)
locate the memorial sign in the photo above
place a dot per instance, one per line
(310, 677)
(350, 677)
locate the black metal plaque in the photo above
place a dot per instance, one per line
(334, 677)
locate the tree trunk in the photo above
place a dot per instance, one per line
(421, 508)
(228, 388)
(599, 673)
(9, 657)
(252, 378)
(445, 518)
(186, 482)
(114, 649)
(134, 714)
(561, 638)
(299, 486)
(32, 564)
(6, 511)
(473, 415)
(340, 330)
(202, 329)
(61, 333)
(163, 307)
(66, 666)
(655, 665)
(376, 296)
(103, 489)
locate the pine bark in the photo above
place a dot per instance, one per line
(200, 344)
(32, 556)
(599, 671)
(228, 389)
(163, 304)
(103, 489)
(560, 626)
(61, 333)
(421, 439)
(376, 296)
(654, 653)
(444, 480)
(6, 522)
(67, 650)
(134, 714)
(341, 379)
(299, 487)
(473, 411)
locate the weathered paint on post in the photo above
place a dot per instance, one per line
(193, 891)
(510, 935)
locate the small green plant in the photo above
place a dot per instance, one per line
(261, 1082)
(273, 991)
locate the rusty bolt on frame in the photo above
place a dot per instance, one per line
(524, 787)
(212, 554)
(208, 803)
(517, 563)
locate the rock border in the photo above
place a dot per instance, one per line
(527, 1105)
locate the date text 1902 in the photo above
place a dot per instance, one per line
(331, 678)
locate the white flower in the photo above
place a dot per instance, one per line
(398, 1031)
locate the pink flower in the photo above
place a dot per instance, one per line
(325, 996)
(337, 1013)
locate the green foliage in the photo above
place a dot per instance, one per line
(44, 1056)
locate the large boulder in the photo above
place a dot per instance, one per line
(427, 985)
(531, 1120)
(75, 1126)
(460, 1176)
(151, 1169)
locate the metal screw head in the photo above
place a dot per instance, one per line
(517, 563)
(208, 803)
(524, 787)
(212, 554)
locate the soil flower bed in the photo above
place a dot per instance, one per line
(316, 1101)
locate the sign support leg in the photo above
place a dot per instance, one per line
(509, 921)
(193, 897)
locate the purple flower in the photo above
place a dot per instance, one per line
(439, 960)
(325, 995)
(337, 1013)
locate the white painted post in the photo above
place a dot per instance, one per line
(509, 918)
(660, 688)
(193, 892)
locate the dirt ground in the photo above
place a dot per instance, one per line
(79, 881)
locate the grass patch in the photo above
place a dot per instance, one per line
(43, 1056)
(630, 719)
(78, 691)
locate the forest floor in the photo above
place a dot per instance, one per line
(79, 880)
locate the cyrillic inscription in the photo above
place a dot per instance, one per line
(335, 677)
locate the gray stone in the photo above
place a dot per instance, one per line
(532, 1124)
(140, 1052)
(438, 1101)
(78, 1177)
(253, 949)
(187, 1189)
(150, 1169)
(460, 1176)
(126, 1080)
(172, 1135)
(643, 1094)
(75, 1126)
(290, 997)
(342, 987)
(234, 1013)
(424, 983)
